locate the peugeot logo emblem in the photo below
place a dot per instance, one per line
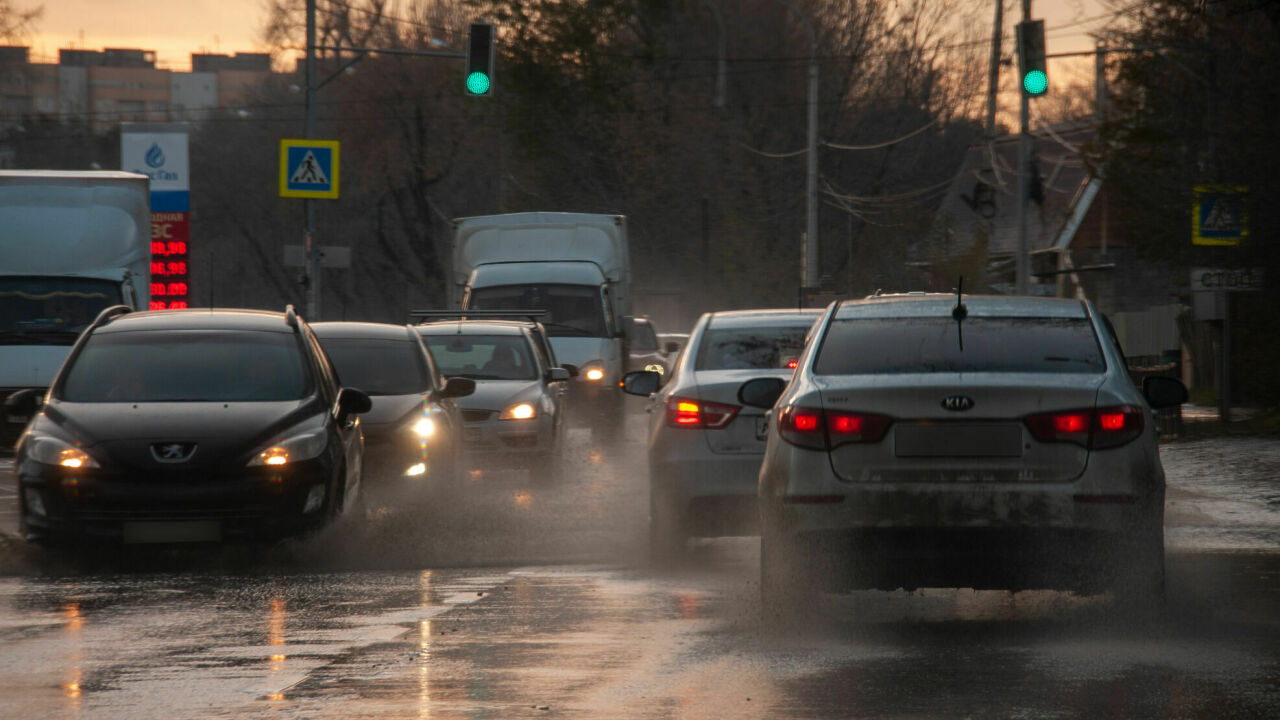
(957, 402)
(173, 452)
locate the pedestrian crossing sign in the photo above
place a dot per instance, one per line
(1220, 215)
(309, 168)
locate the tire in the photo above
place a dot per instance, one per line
(785, 588)
(1140, 582)
(667, 530)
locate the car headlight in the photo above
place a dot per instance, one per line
(52, 451)
(656, 367)
(290, 450)
(594, 373)
(424, 428)
(519, 411)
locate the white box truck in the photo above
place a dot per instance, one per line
(71, 244)
(576, 267)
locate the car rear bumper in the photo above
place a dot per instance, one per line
(979, 558)
(716, 494)
(250, 507)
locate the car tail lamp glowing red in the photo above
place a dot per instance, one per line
(685, 412)
(1096, 429)
(825, 429)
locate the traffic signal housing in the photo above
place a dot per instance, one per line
(1031, 65)
(479, 77)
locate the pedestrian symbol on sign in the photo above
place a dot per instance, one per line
(1220, 215)
(309, 172)
(309, 168)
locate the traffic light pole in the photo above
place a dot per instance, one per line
(1022, 268)
(312, 271)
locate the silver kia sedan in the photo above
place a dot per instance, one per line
(704, 446)
(983, 442)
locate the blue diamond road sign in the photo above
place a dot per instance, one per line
(309, 168)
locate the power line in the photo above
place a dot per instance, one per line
(887, 143)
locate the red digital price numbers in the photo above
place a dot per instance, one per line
(170, 235)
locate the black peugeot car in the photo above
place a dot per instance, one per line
(189, 426)
(413, 433)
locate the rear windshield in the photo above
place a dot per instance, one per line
(379, 366)
(188, 366)
(991, 344)
(750, 348)
(483, 357)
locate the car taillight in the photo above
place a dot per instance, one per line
(1096, 429)
(685, 412)
(825, 429)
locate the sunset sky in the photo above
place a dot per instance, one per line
(177, 28)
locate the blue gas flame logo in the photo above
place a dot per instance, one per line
(155, 156)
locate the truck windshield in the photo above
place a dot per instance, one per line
(51, 310)
(573, 310)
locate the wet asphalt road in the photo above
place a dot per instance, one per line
(515, 597)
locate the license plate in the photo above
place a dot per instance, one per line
(958, 439)
(172, 532)
(762, 427)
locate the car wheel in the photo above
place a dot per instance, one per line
(785, 588)
(1140, 581)
(667, 531)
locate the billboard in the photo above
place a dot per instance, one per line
(159, 151)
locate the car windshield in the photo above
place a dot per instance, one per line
(378, 366)
(750, 348)
(482, 357)
(857, 346)
(572, 310)
(53, 308)
(187, 366)
(643, 339)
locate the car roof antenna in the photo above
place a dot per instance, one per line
(960, 312)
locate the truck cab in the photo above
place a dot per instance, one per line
(575, 267)
(71, 244)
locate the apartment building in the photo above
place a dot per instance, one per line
(105, 87)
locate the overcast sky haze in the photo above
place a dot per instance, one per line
(177, 28)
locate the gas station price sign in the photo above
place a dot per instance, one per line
(170, 275)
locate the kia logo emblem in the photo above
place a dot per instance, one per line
(173, 452)
(957, 402)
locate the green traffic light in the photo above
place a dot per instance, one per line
(1035, 82)
(477, 83)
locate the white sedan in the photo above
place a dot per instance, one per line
(988, 442)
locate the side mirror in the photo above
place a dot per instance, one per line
(671, 347)
(558, 374)
(761, 392)
(573, 369)
(1163, 392)
(641, 382)
(20, 406)
(456, 387)
(628, 329)
(352, 402)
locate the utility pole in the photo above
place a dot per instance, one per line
(1022, 278)
(312, 270)
(993, 80)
